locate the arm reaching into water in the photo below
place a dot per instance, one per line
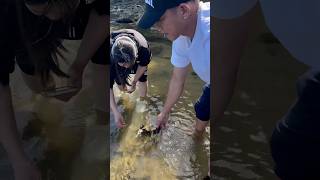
(175, 90)
(117, 115)
(24, 169)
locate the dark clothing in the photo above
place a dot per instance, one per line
(202, 106)
(9, 35)
(295, 143)
(37, 28)
(113, 76)
(296, 157)
(304, 116)
(143, 59)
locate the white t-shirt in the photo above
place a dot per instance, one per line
(296, 23)
(197, 51)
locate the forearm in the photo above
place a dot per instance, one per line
(113, 104)
(95, 34)
(230, 38)
(8, 129)
(175, 89)
(139, 73)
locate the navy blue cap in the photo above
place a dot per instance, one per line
(155, 9)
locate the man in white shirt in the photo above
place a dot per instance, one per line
(295, 141)
(187, 24)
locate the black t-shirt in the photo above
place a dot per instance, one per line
(37, 27)
(144, 52)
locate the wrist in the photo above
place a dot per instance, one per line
(165, 112)
(134, 82)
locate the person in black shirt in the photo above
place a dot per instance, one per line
(31, 32)
(129, 54)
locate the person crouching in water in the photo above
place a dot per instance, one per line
(130, 54)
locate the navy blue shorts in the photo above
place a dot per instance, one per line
(202, 106)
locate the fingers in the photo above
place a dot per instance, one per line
(121, 123)
(162, 121)
(130, 91)
(120, 126)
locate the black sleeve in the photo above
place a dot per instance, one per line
(8, 37)
(144, 56)
(6, 60)
(102, 7)
(4, 79)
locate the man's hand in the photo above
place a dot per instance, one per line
(162, 120)
(119, 120)
(26, 171)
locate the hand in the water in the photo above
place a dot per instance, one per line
(119, 120)
(162, 120)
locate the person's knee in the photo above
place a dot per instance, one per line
(142, 85)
